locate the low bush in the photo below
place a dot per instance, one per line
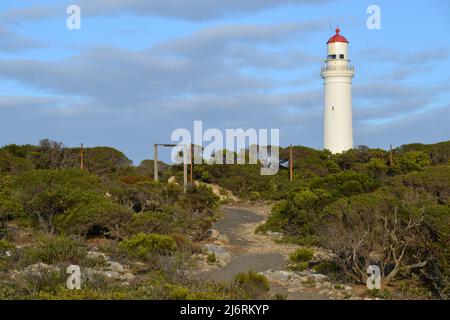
(300, 259)
(55, 250)
(150, 222)
(325, 268)
(301, 255)
(186, 245)
(380, 294)
(141, 245)
(5, 247)
(30, 286)
(253, 284)
(211, 257)
(7, 253)
(98, 218)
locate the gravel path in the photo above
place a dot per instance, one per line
(250, 251)
(230, 223)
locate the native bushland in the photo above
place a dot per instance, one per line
(365, 206)
(368, 210)
(52, 214)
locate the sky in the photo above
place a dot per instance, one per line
(137, 70)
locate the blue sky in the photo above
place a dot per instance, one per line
(137, 70)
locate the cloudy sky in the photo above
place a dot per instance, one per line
(138, 69)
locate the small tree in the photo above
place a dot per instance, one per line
(414, 161)
(377, 229)
(377, 168)
(50, 154)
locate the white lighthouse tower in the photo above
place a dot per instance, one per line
(337, 75)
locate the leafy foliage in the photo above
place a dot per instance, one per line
(301, 255)
(141, 245)
(370, 211)
(254, 284)
(50, 198)
(300, 258)
(9, 206)
(360, 205)
(54, 250)
(13, 164)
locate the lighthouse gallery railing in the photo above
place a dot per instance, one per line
(349, 67)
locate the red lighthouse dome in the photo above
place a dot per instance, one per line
(337, 37)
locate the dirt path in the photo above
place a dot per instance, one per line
(250, 251)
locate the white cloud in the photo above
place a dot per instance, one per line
(204, 63)
(13, 42)
(194, 10)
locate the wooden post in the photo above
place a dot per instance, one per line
(82, 157)
(391, 158)
(192, 162)
(291, 164)
(155, 162)
(185, 158)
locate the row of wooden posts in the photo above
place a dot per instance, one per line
(155, 161)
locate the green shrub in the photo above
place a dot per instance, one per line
(301, 255)
(254, 195)
(306, 199)
(200, 200)
(177, 292)
(32, 285)
(9, 206)
(7, 254)
(71, 202)
(414, 161)
(186, 245)
(12, 164)
(211, 257)
(300, 259)
(141, 245)
(280, 296)
(380, 294)
(377, 168)
(150, 222)
(277, 219)
(325, 267)
(99, 217)
(253, 284)
(58, 250)
(5, 246)
(299, 266)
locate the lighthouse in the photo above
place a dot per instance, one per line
(337, 75)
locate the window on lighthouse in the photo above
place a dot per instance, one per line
(341, 56)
